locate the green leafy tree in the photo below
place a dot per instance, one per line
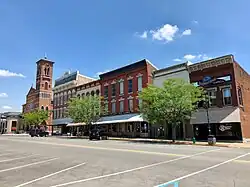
(86, 110)
(171, 104)
(35, 117)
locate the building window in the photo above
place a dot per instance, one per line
(130, 105)
(92, 93)
(139, 81)
(47, 108)
(87, 94)
(121, 106)
(83, 94)
(54, 114)
(113, 89)
(46, 86)
(106, 91)
(42, 108)
(240, 96)
(113, 107)
(130, 86)
(97, 92)
(227, 98)
(121, 88)
(79, 96)
(212, 97)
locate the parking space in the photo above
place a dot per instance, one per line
(48, 162)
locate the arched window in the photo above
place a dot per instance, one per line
(97, 92)
(83, 94)
(47, 108)
(92, 93)
(79, 96)
(240, 96)
(46, 86)
(87, 94)
(47, 71)
(42, 108)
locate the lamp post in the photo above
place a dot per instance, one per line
(207, 112)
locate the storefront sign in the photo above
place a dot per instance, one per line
(225, 127)
(209, 80)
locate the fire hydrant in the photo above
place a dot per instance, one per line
(194, 140)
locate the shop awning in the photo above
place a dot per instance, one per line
(120, 119)
(75, 124)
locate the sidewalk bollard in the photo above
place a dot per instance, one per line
(194, 140)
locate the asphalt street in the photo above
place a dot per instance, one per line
(55, 162)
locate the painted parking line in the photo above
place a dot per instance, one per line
(50, 175)
(102, 148)
(243, 161)
(134, 169)
(27, 165)
(201, 171)
(8, 160)
(5, 154)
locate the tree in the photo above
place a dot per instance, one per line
(35, 117)
(86, 110)
(171, 104)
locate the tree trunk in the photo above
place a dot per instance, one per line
(173, 132)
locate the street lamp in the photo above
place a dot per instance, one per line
(206, 106)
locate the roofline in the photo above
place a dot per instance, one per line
(171, 67)
(229, 55)
(87, 77)
(45, 59)
(151, 64)
(125, 66)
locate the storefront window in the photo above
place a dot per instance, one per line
(130, 127)
(227, 98)
(114, 129)
(144, 128)
(212, 97)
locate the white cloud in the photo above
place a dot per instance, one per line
(195, 22)
(144, 35)
(101, 72)
(189, 57)
(7, 73)
(187, 32)
(203, 57)
(177, 60)
(165, 33)
(6, 107)
(3, 95)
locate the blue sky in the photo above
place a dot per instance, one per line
(95, 36)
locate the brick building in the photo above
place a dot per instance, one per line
(228, 88)
(120, 89)
(65, 88)
(41, 96)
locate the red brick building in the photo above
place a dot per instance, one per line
(41, 96)
(120, 89)
(228, 89)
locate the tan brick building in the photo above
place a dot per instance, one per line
(41, 96)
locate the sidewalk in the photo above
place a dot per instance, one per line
(160, 141)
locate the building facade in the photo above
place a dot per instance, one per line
(120, 89)
(10, 122)
(228, 89)
(65, 88)
(40, 98)
(179, 71)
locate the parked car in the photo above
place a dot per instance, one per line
(38, 132)
(97, 134)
